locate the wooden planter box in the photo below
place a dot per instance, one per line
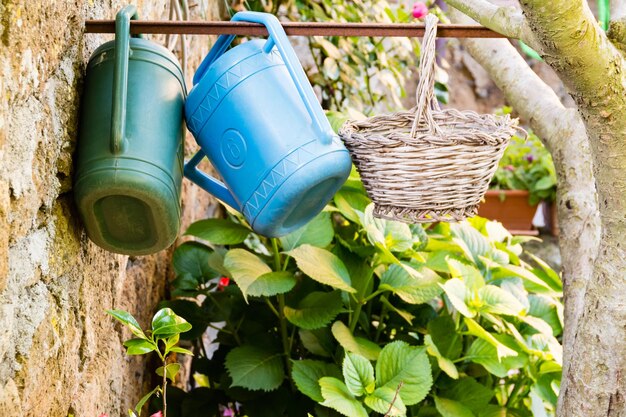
(513, 211)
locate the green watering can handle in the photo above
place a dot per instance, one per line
(120, 77)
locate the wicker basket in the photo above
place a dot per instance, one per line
(427, 164)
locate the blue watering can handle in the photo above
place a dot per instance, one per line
(213, 186)
(278, 37)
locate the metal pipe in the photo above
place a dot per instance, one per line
(293, 29)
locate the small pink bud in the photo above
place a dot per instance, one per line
(509, 168)
(157, 414)
(228, 413)
(419, 10)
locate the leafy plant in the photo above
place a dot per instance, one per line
(357, 316)
(527, 165)
(162, 339)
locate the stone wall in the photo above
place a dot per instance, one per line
(60, 354)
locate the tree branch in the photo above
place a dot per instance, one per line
(508, 21)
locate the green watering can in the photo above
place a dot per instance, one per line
(130, 146)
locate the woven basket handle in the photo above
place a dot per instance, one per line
(425, 94)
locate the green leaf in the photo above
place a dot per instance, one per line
(550, 276)
(437, 260)
(218, 231)
(457, 293)
(196, 316)
(185, 285)
(245, 268)
(498, 301)
(475, 329)
(451, 408)
(272, 283)
(547, 309)
(129, 321)
(181, 350)
(444, 334)
(319, 342)
(338, 397)
(471, 276)
(531, 281)
(171, 369)
(166, 323)
(358, 373)
(391, 235)
(318, 232)
(470, 393)
(139, 346)
(315, 310)
(349, 200)
(350, 343)
(473, 243)
(322, 266)
(193, 258)
(306, 374)
(399, 362)
(143, 400)
(216, 261)
(409, 288)
(444, 363)
(385, 401)
(485, 354)
(255, 368)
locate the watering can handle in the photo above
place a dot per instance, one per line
(209, 184)
(278, 37)
(120, 77)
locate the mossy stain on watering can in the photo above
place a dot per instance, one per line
(130, 148)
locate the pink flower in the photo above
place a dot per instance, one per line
(419, 10)
(228, 412)
(157, 414)
(510, 168)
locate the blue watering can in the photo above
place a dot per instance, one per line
(256, 117)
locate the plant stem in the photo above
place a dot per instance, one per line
(379, 329)
(355, 316)
(271, 306)
(281, 314)
(283, 332)
(164, 387)
(517, 388)
(276, 254)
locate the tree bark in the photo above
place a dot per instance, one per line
(563, 132)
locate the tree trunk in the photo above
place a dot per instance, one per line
(593, 71)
